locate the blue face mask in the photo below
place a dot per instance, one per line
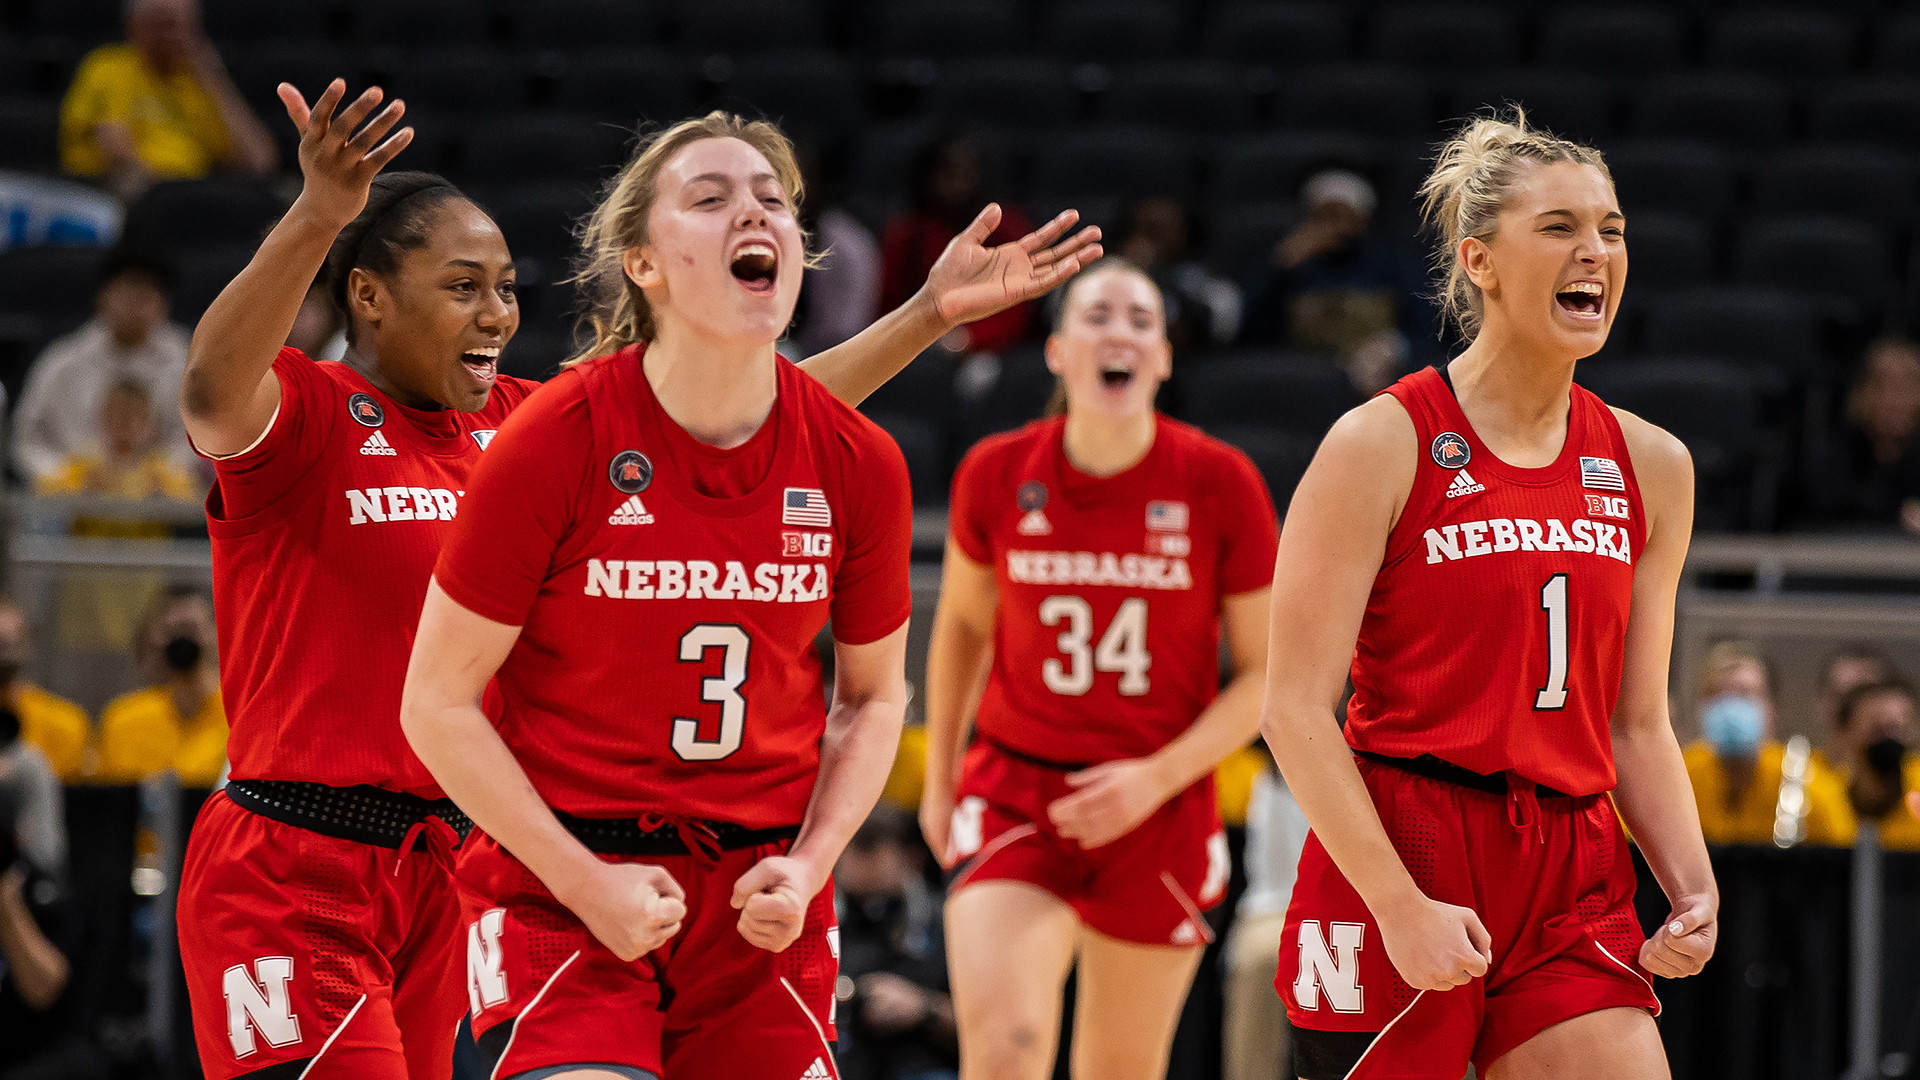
(1734, 724)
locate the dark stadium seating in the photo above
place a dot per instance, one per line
(1687, 177)
(1363, 99)
(1270, 167)
(1715, 410)
(248, 22)
(924, 445)
(1113, 161)
(182, 214)
(535, 147)
(414, 24)
(1115, 31)
(1301, 394)
(1572, 105)
(1846, 262)
(201, 274)
(1730, 108)
(1882, 109)
(1896, 44)
(29, 135)
(91, 21)
(588, 24)
(948, 29)
(1627, 40)
(745, 26)
(48, 290)
(464, 80)
(1281, 35)
(1281, 456)
(1186, 96)
(1868, 183)
(625, 86)
(1667, 250)
(1741, 325)
(808, 93)
(1444, 36)
(538, 219)
(1240, 236)
(1013, 93)
(1802, 44)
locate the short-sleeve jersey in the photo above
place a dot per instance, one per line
(324, 538)
(1107, 635)
(666, 660)
(1496, 629)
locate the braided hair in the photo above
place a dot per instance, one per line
(399, 208)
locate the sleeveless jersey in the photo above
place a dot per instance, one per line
(324, 537)
(1496, 629)
(666, 661)
(1106, 639)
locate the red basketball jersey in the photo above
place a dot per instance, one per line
(666, 658)
(1107, 637)
(324, 537)
(1497, 626)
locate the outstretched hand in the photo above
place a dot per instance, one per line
(971, 281)
(338, 161)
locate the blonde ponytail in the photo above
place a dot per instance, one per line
(1472, 176)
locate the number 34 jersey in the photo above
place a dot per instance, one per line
(1106, 639)
(670, 593)
(1496, 630)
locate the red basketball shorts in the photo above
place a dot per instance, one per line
(1149, 887)
(708, 1004)
(312, 956)
(1550, 878)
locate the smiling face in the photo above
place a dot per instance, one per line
(1552, 273)
(724, 254)
(1111, 349)
(439, 321)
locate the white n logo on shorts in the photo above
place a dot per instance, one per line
(1319, 971)
(486, 983)
(967, 831)
(258, 1002)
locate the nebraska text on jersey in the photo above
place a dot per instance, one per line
(1471, 538)
(698, 579)
(1106, 568)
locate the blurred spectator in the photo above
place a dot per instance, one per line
(1335, 286)
(1203, 309)
(895, 1017)
(36, 924)
(842, 293)
(1254, 1029)
(159, 107)
(318, 328)
(1874, 745)
(1851, 665)
(53, 725)
(177, 722)
(1868, 473)
(129, 464)
(949, 189)
(1736, 764)
(59, 418)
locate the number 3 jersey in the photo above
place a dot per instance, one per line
(1106, 641)
(670, 592)
(1496, 629)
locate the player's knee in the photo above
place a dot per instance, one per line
(1016, 1050)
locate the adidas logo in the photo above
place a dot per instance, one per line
(817, 1071)
(378, 446)
(1463, 485)
(1034, 523)
(631, 512)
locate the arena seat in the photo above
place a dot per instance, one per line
(750, 25)
(1240, 237)
(1782, 43)
(1007, 92)
(946, 29)
(881, 172)
(1269, 167)
(1845, 261)
(1639, 40)
(30, 135)
(587, 24)
(1365, 99)
(178, 215)
(1740, 325)
(309, 65)
(1882, 109)
(1571, 105)
(419, 24)
(1444, 36)
(48, 290)
(1279, 35)
(1868, 183)
(537, 219)
(251, 22)
(1303, 394)
(1897, 44)
(625, 86)
(1018, 394)
(924, 388)
(16, 67)
(463, 80)
(200, 274)
(1113, 161)
(924, 445)
(1183, 95)
(536, 146)
(1715, 410)
(1666, 250)
(1281, 456)
(535, 353)
(1689, 177)
(1732, 108)
(94, 22)
(1115, 31)
(808, 93)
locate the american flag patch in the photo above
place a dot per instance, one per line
(1167, 516)
(807, 507)
(1602, 473)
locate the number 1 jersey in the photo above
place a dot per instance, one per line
(1107, 637)
(1496, 630)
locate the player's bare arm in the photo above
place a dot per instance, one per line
(1331, 546)
(861, 739)
(969, 282)
(229, 394)
(959, 657)
(631, 908)
(1113, 798)
(1654, 795)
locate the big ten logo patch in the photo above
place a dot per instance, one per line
(258, 1005)
(1330, 967)
(486, 981)
(806, 545)
(1174, 546)
(1613, 506)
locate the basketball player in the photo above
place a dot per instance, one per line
(644, 560)
(1092, 562)
(1494, 554)
(318, 920)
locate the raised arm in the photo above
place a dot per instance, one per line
(970, 281)
(1331, 547)
(959, 656)
(1654, 795)
(229, 394)
(862, 737)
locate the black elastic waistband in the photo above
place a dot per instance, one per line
(626, 836)
(1435, 769)
(363, 813)
(1023, 756)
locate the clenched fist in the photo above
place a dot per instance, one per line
(772, 900)
(633, 908)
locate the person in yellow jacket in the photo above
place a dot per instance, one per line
(55, 725)
(1736, 764)
(1875, 731)
(179, 722)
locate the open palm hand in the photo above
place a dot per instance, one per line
(971, 281)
